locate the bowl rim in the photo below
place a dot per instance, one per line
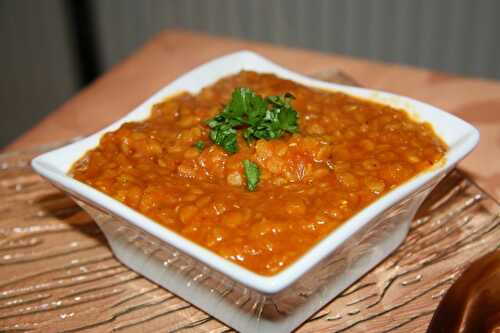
(460, 136)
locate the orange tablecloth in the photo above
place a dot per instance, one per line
(172, 53)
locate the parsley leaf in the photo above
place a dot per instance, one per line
(261, 118)
(252, 173)
(200, 145)
(288, 120)
(225, 136)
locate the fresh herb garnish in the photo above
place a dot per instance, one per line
(252, 173)
(223, 134)
(260, 118)
(200, 145)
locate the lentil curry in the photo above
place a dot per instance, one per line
(342, 154)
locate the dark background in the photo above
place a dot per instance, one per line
(52, 48)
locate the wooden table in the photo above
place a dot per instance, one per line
(59, 275)
(172, 53)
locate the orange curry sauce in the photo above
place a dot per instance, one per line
(348, 153)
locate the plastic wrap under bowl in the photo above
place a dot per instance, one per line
(243, 308)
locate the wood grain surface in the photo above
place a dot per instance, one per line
(57, 273)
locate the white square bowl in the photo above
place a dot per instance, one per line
(242, 299)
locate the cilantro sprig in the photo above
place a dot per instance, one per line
(252, 173)
(259, 118)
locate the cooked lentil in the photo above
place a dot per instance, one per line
(349, 152)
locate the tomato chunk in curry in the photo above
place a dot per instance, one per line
(347, 153)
